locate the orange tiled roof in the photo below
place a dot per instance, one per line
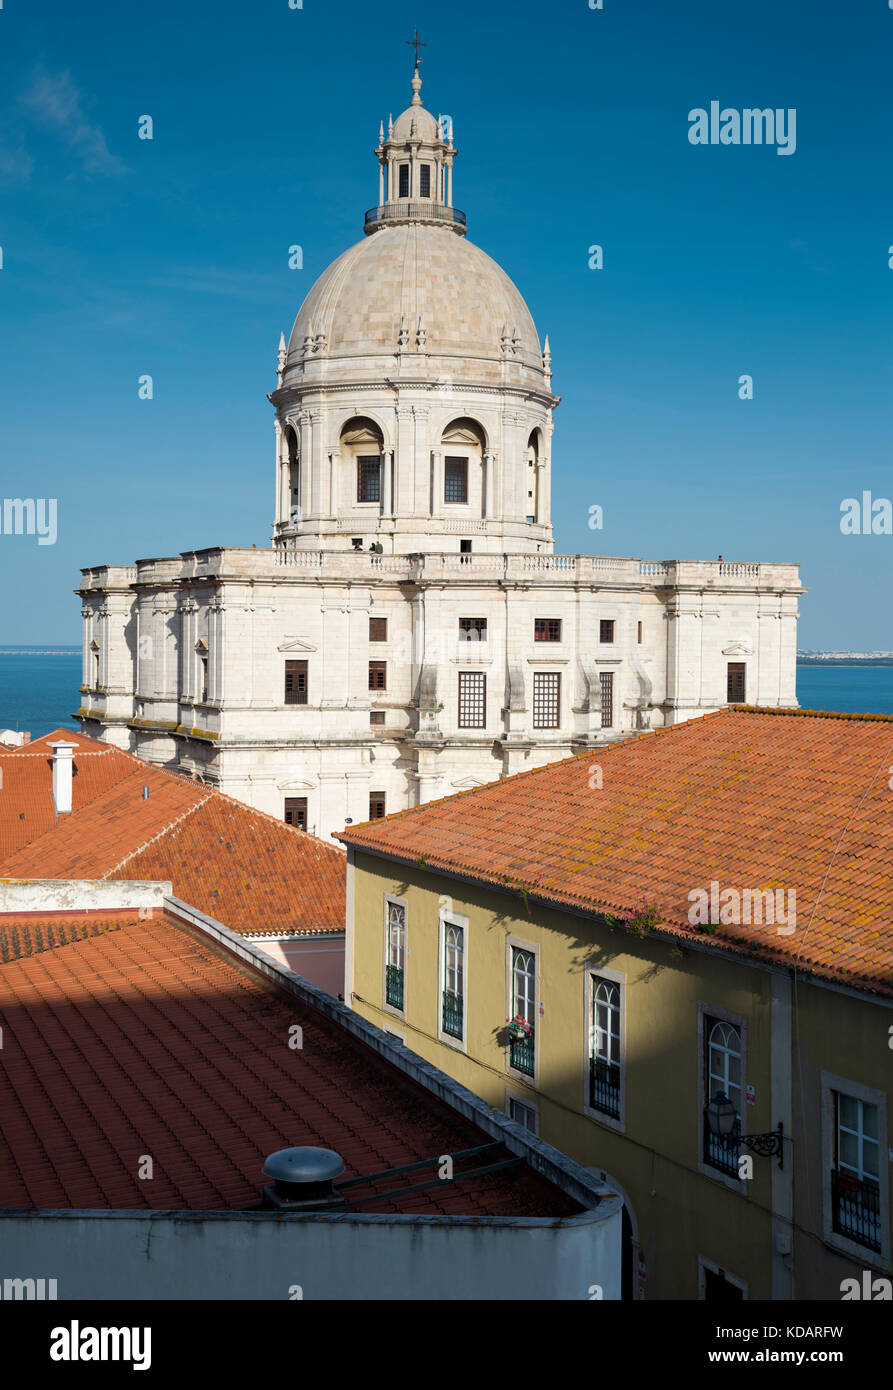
(145, 1038)
(747, 798)
(224, 858)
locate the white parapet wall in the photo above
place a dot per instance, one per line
(80, 895)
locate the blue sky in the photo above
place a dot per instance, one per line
(123, 256)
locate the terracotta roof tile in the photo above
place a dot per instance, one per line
(147, 1039)
(223, 857)
(748, 798)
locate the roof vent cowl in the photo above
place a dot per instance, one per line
(302, 1179)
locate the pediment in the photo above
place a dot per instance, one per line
(296, 644)
(295, 784)
(740, 648)
(463, 784)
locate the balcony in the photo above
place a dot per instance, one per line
(604, 1087)
(394, 986)
(406, 211)
(451, 1016)
(856, 1205)
(522, 1052)
(722, 1151)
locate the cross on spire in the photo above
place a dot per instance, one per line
(416, 43)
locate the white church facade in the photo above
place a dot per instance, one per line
(411, 631)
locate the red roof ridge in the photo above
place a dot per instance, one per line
(796, 713)
(166, 829)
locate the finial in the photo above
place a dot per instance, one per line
(416, 85)
(390, 125)
(380, 134)
(547, 357)
(282, 354)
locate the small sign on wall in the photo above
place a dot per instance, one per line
(750, 1095)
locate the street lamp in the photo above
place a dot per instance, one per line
(724, 1124)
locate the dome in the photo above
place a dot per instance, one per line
(409, 273)
(415, 123)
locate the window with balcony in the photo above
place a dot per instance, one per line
(455, 479)
(604, 1047)
(546, 699)
(723, 1068)
(369, 478)
(396, 954)
(453, 994)
(547, 629)
(522, 1020)
(424, 180)
(296, 682)
(404, 180)
(472, 700)
(855, 1175)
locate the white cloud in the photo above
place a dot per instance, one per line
(55, 103)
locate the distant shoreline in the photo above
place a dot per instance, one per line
(845, 660)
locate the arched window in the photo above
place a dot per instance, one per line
(724, 1062)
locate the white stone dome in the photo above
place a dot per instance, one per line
(408, 274)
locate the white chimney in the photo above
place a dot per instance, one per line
(63, 766)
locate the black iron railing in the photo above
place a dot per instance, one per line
(521, 1053)
(604, 1087)
(452, 1014)
(422, 211)
(394, 986)
(722, 1151)
(856, 1204)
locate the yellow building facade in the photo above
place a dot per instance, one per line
(623, 1038)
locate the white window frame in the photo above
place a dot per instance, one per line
(512, 944)
(390, 898)
(830, 1083)
(594, 973)
(738, 1021)
(452, 919)
(529, 1104)
(704, 1264)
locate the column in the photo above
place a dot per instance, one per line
(488, 485)
(380, 182)
(437, 483)
(306, 454)
(334, 470)
(449, 183)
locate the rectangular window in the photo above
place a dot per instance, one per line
(455, 480)
(376, 716)
(606, 630)
(522, 1114)
(425, 180)
(547, 629)
(204, 675)
(296, 811)
(453, 1001)
(404, 180)
(376, 805)
(606, 687)
(546, 699)
(396, 962)
(735, 684)
(369, 478)
(472, 629)
(522, 1023)
(722, 1078)
(378, 675)
(604, 1047)
(855, 1177)
(472, 700)
(296, 682)
(378, 629)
